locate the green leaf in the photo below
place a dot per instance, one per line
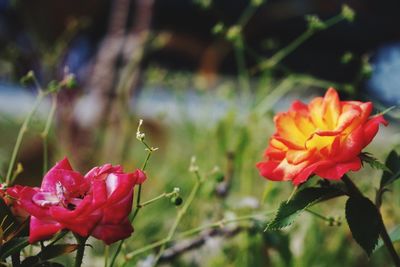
(13, 246)
(50, 252)
(30, 261)
(373, 162)
(393, 164)
(34, 261)
(394, 237)
(56, 250)
(289, 210)
(7, 220)
(49, 264)
(363, 219)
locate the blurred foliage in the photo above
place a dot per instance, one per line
(226, 126)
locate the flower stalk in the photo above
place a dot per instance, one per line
(21, 133)
(81, 250)
(45, 133)
(182, 211)
(140, 136)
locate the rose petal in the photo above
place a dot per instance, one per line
(111, 233)
(42, 229)
(337, 170)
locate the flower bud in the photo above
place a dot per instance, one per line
(257, 3)
(234, 33)
(28, 78)
(347, 57)
(314, 23)
(348, 13)
(218, 28)
(219, 177)
(176, 200)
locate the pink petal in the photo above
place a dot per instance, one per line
(111, 233)
(42, 229)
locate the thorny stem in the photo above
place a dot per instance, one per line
(354, 191)
(21, 133)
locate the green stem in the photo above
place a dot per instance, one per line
(244, 80)
(148, 202)
(20, 136)
(193, 231)
(138, 206)
(106, 253)
(58, 237)
(221, 223)
(147, 159)
(273, 97)
(318, 215)
(81, 250)
(284, 52)
(247, 14)
(180, 215)
(45, 133)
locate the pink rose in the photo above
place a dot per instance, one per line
(115, 188)
(67, 200)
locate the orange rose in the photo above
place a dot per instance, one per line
(324, 138)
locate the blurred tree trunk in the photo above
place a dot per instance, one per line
(115, 74)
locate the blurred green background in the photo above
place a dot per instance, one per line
(207, 78)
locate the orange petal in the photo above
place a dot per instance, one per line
(316, 111)
(299, 107)
(274, 142)
(337, 170)
(298, 156)
(288, 171)
(371, 128)
(286, 128)
(331, 108)
(288, 143)
(304, 124)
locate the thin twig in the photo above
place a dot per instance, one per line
(45, 133)
(180, 215)
(22, 131)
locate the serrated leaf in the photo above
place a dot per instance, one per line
(394, 237)
(393, 164)
(13, 246)
(56, 250)
(373, 162)
(289, 210)
(363, 219)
